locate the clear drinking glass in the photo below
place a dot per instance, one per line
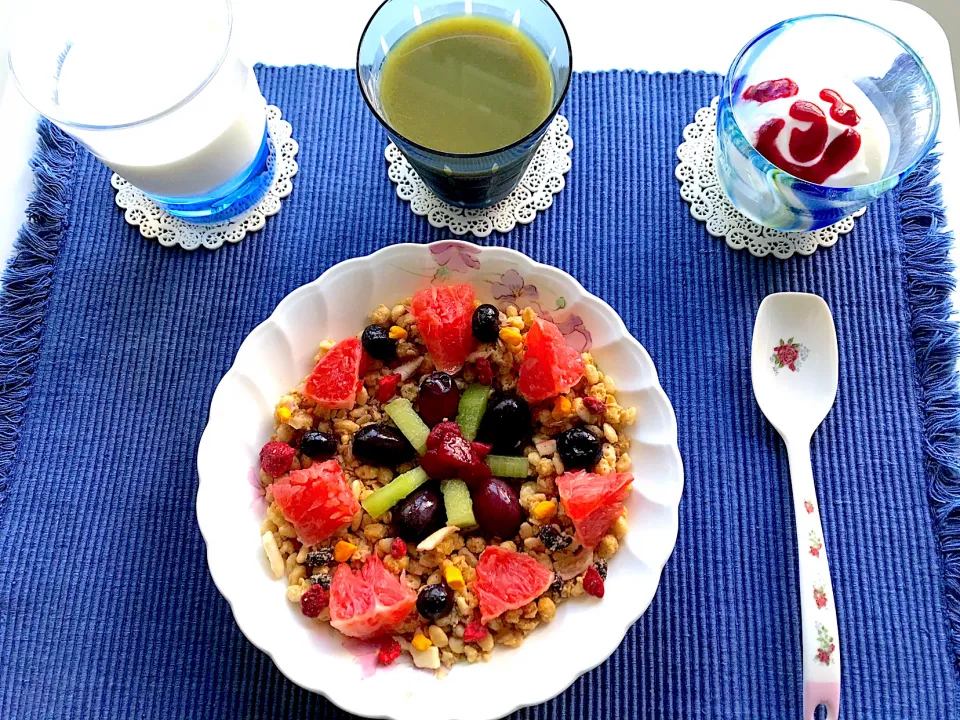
(838, 49)
(471, 180)
(155, 90)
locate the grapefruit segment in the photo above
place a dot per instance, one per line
(369, 602)
(317, 501)
(334, 382)
(593, 502)
(550, 366)
(507, 580)
(444, 316)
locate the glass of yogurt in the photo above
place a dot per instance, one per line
(155, 90)
(819, 116)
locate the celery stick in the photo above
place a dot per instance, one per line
(392, 493)
(410, 424)
(473, 404)
(510, 467)
(457, 503)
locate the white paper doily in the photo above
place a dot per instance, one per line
(169, 230)
(542, 180)
(709, 203)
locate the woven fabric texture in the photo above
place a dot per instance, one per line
(112, 347)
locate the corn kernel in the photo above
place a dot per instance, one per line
(562, 407)
(398, 333)
(454, 578)
(284, 414)
(511, 336)
(343, 551)
(421, 642)
(545, 510)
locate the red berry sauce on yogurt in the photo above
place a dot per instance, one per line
(815, 131)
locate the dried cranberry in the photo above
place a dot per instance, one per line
(592, 582)
(387, 387)
(398, 548)
(484, 371)
(276, 458)
(594, 405)
(389, 651)
(474, 632)
(313, 601)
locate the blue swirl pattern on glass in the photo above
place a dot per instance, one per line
(889, 73)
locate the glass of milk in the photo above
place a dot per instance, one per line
(155, 90)
(818, 117)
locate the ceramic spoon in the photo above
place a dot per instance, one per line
(795, 364)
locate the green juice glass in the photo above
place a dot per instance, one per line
(467, 180)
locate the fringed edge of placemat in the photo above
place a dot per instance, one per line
(930, 284)
(26, 284)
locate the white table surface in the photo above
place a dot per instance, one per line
(605, 34)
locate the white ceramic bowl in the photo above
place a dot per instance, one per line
(278, 354)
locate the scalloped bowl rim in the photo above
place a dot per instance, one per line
(486, 705)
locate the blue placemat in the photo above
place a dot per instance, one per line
(111, 346)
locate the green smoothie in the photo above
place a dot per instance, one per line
(466, 84)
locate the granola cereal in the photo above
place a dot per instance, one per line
(422, 435)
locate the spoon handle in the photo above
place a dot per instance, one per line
(818, 613)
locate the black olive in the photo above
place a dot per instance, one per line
(506, 424)
(382, 445)
(377, 342)
(486, 323)
(578, 448)
(318, 445)
(420, 514)
(435, 601)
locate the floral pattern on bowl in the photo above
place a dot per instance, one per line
(508, 289)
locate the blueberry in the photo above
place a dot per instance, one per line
(506, 424)
(435, 601)
(378, 343)
(486, 323)
(318, 445)
(578, 448)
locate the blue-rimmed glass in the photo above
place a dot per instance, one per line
(477, 179)
(879, 63)
(186, 126)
